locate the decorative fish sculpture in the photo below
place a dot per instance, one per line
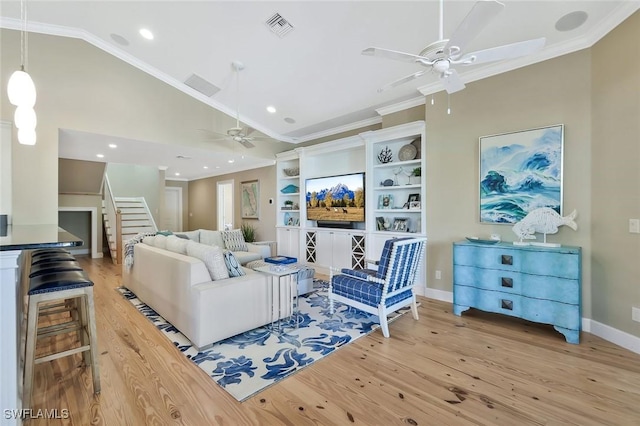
(545, 221)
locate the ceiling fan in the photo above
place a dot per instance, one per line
(443, 55)
(239, 134)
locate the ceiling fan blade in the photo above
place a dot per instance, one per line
(508, 51)
(452, 82)
(402, 81)
(392, 54)
(476, 20)
(246, 143)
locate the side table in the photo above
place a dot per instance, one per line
(284, 290)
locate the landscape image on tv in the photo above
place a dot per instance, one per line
(336, 198)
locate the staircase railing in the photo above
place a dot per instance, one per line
(114, 217)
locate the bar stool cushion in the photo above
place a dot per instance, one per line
(52, 258)
(58, 281)
(52, 250)
(51, 267)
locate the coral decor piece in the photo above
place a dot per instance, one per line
(385, 155)
(545, 221)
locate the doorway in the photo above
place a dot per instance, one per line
(225, 205)
(172, 217)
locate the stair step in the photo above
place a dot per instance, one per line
(140, 222)
(129, 204)
(133, 210)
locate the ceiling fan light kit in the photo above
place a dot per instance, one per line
(443, 55)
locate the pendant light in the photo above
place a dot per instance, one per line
(21, 90)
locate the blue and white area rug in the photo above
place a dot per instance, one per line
(250, 362)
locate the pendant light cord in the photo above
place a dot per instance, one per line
(23, 35)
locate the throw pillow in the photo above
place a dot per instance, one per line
(183, 236)
(234, 268)
(165, 233)
(234, 241)
(149, 240)
(177, 245)
(160, 241)
(211, 256)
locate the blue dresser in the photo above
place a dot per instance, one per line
(539, 284)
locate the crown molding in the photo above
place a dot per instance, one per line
(340, 129)
(401, 106)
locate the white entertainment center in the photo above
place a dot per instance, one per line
(390, 184)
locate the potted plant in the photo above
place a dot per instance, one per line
(288, 205)
(417, 172)
(248, 232)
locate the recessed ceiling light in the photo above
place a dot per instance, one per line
(571, 21)
(205, 167)
(113, 145)
(146, 33)
(230, 161)
(217, 167)
(100, 155)
(271, 109)
(177, 174)
(289, 120)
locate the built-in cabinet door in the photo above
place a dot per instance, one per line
(333, 249)
(324, 244)
(288, 242)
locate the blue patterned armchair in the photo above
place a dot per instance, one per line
(386, 290)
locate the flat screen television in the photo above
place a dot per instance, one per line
(335, 199)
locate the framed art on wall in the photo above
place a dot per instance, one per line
(250, 199)
(520, 172)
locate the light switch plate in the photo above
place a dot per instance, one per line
(634, 226)
(635, 313)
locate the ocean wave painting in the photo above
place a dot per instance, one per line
(520, 172)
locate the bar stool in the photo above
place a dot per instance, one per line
(54, 250)
(48, 294)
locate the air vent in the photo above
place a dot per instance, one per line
(278, 25)
(183, 157)
(201, 85)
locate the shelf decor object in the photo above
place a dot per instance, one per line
(385, 156)
(519, 170)
(289, 189)
(407, 152)
(291, 171)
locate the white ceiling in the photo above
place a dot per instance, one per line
(315, 74)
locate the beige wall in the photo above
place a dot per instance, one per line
(203, 195)
(547, 93)
(615, 176)
(80, 177)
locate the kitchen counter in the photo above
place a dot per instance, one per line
(27, 237)
(17, 240)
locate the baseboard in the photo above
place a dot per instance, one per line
(608, 333)
(613, 335)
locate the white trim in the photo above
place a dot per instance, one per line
(335, 130)
(94, 226)
(606, 332)
(401, 106)
(613, 335)
(220, 205)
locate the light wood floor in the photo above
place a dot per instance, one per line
(480, 369)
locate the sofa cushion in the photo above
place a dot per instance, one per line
(160, 241)
(211, 238)
(192, 235)
(245, 257)
(233, 266)
(211, 256)
(149, 240)
(234, 240)
(177, 245)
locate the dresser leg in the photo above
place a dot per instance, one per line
(459, 309)
(571, 336)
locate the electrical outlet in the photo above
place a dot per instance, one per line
(635, 313)
(438, 275)
(634, 226)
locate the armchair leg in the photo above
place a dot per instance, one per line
(414, 307)
(384, 325)
(331, 310)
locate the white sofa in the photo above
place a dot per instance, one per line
(214, 238)
(180, 288)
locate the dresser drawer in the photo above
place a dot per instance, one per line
(550, 312)
(553, 262)
(551, 288)
(488, 279)
(487, 300)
